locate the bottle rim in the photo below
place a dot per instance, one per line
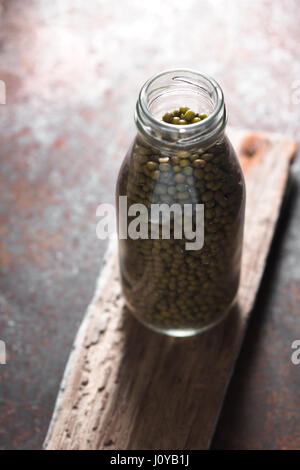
(188, 134)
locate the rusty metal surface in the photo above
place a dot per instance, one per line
(72, 72)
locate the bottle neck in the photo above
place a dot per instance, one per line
(170, 90)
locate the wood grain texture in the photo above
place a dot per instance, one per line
(129, 388)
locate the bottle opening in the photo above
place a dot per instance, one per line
(171, 90)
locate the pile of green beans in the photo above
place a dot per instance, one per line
(166, 286)
(183, 116)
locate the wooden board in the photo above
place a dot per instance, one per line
(129, 388)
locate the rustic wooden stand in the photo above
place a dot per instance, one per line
(129, 388)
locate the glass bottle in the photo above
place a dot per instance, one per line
(170, 288)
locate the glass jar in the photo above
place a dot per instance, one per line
(169, 286)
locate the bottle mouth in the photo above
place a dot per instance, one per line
(172, 89)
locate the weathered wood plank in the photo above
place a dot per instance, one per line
(129, 388)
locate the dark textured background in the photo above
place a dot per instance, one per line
(73, 70)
